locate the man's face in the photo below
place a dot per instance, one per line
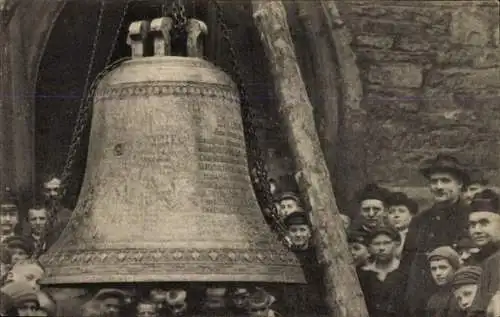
(465, 295)
(399, 217)
(18, 255)
(359, 253)
(470, 191)
(240, 301)
(299, 234)
(51, 189)
(259, 312)
(466, 253)
(442, 271)
(28, 309)
(287, 206)
(8, 220)
(372, 211)
(110, 307)
(383, 247)
(38, 220)
(484, 228)
(146, 310)
(445, 187)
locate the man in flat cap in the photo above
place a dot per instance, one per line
(484, 227)
(110, 301)
(21, 248)
(372, 201)
(298, 230)
(400, 211)
(464, 287)
(289, 203)
(442, 224)
(476, 183)
(24, 297)
(9, 215)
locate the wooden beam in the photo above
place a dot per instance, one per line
(343, 295)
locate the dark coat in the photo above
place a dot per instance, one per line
(443, 304)
(489, 284)
(438, 226)
(383, 298)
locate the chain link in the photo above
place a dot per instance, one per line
(179, 18)
(88, 94)
(257, 165)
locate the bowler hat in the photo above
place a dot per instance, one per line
(401, 199)
(289, 195)
(486, 200)
(356, 236)
(444, 163)
(110, 292)
(476, 177)
(373, 191)
(297, 218)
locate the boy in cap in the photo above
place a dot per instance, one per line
(359, 248)
(372, 208)
(289, 203)
(467, 250)
(177, 302)
(9, 215)
(298, 230)
(259, 304)
(401, 210)
(382, 281)
(476, 183)
(484, 227)
(464, 286)
(443, 263)
(21, 248)
(24, 298)
(442, 224)
(110, 301)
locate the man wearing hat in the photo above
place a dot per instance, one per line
(442, 224)
(372, 208)
(467, 250)
(52, 200)
(443, 263)
(177, 302)
(401, 210)
(39, 229)
(259, 304)
(20, 247)
(24, 298)
(484, 228)
(475, 184)
(9, 215)
(298, 230)
(110, 301)
(382, 281)
(464, 286)
(289, 203)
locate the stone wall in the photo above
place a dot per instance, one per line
(431, 75)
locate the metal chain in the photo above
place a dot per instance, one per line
(257, 166)
(179, 17)
(88, 94)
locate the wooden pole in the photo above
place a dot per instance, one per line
(343, 295)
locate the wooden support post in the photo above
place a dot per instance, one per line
(343, 295)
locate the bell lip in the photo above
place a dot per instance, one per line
(296, 277)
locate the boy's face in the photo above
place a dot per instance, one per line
(146, 310)
(359, 253)
(38, 220)
(287, 206)
(484, 228)
(399, 217)
(299, 234)
(18, 254)
(442, 271)
(465, 295)
(383, 248)
(8, 220)
(371, 212)
(470, 191)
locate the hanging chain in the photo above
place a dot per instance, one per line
(258, 168)
(179, 17)
(88, 94)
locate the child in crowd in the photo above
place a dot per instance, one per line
(464, 287)
(381, 281)
(443, 262)
(359, 248)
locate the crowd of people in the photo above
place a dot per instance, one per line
(439, 262)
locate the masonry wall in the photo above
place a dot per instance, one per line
(431, 76)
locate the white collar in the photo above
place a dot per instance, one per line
(382, 273)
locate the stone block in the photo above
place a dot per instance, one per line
(455, 79)
(476, 57)
(375, 41)
(472, 25)
(376, 56)
(413, 44)
(396, 75)
(385, 27)
(394, 102)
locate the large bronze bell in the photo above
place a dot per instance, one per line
(167, 195)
